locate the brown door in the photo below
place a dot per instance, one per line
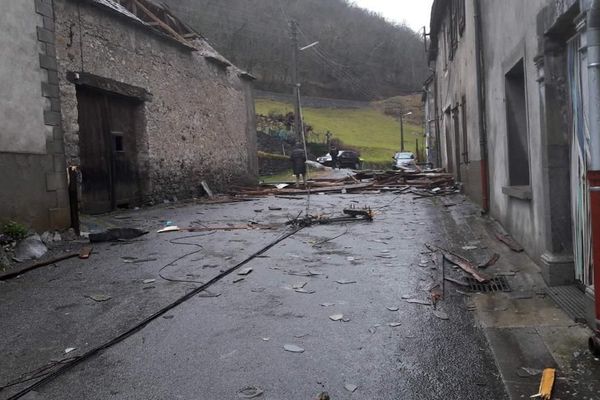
(107, 143)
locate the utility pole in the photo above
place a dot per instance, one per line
(295, 81)
(401, 132)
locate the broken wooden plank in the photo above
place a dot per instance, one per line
(463, 263)
(13, 274)
(206, 188)
(510, 242)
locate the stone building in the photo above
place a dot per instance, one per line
(136, 100)
(511, 116)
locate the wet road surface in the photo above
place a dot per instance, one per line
(212, 347)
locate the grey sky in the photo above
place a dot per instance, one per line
(415, 13)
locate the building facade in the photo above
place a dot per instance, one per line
(133, 99)
(509, 101)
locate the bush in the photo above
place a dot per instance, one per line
(14, 230)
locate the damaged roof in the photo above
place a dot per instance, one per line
(159, 18)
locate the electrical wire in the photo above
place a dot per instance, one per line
(138, 327)
(179, 242)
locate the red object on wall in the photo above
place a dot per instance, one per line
(594, 181)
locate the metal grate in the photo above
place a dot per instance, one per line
(571, 299)
(497, 284)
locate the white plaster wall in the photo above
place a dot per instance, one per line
(21, 102)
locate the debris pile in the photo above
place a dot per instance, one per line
(424, 184)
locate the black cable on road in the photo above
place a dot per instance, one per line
(153, 317)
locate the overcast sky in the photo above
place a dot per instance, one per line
(415, 13)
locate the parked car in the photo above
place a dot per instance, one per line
(346, 159)
(405, 161)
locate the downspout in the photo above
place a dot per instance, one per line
(593, 40)
(481, 111)
(438, 141)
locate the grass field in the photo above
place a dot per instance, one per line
(369, 130)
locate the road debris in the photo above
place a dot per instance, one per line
(85, 252)
(525, 372)
(266, 339)
(304, 291)
(206, 188)
(116, 234)
(327, 304)
(441, 315)
(100, 298)
(350, 387)
(299, 285)
(250, 392)
(30, 248)
(323, 396)
(457, 282)
(292, 348)
(169, 229)
(345, 282)
(147, 281)
(236, 280)
(245, 271)
(394, 324)
(510, 242)
(336, 317)
(70, 349)
(417, 301)
(546, 385)
(461, 262)
(491, 262)
(394, 308)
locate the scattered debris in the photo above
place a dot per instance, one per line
(299, 285)
(250, 392)
(406, 296)
(292, 348)
(417, 301)
(138, 261)
(546, 385)
(304, 291)
(209, 295)
(70, 349)
(236, 280)
(463, 263)
(85, 252)
(245, 271)
(469, 248)
(100, 297)
(336, 317)
(350, 387)
(169, 229)
(147, 281)
(116, 234)
(327, 304)
(266, 339)
(393, 308)
(15, 273)
(274, 208)
(323, 396)
(441, 315)
(345, 282)
(30, 248)
(492, 261)
(308, 273)
(395, 324)
(510, 242)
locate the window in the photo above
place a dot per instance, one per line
(516, 124)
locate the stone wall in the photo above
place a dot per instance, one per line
(198, 124)
(33, 180)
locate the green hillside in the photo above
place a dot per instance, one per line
(375, 134)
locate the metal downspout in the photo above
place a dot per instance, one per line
(593, 40)
(485, 182)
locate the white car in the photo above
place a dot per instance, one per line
(405, 161)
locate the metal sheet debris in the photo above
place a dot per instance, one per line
(336, 317)
(292, 348)
(350, 387)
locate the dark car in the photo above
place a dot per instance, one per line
(346, 159)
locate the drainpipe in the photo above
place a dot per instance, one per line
(593, 40)
(485, 181)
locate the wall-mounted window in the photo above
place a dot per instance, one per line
(516, 124)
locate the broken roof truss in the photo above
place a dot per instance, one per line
(156, 16)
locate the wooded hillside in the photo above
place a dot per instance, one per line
(360, 54)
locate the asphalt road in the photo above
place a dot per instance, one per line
(212, 347)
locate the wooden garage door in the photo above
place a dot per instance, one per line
(108, 152)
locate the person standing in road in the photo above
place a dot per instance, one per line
(298, 159)
(334, 152)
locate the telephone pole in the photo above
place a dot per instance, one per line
(295, 81)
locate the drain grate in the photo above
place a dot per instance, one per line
(571, 299)
(497, 284)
